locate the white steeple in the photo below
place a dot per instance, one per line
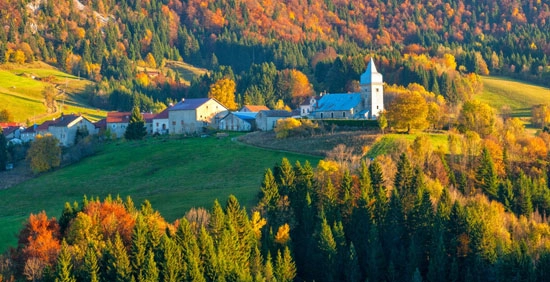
(372, 90)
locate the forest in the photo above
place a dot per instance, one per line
(327, 42)
(416, 214)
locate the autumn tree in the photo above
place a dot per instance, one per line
(223, 90)
(409, 111)
(5, 115)
(478, 117)
(49, 93)
(44, 153)
(540, 115)
(136, 126)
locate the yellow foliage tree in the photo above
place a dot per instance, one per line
(283, 234)
(223, 90)
(284, 126)
(150, 60)
(44, 153)
(408, 110)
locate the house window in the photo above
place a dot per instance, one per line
(377, 90)
(182, 122)
(377, 107)
(321, 115)
(331, 115)
(343, 114)
(157, 124)
(303, 111)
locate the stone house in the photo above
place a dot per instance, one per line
(239, 121)
(253, 109)
(160, 122)
(266, 120)
(194, 115)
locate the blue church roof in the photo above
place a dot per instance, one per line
(338, 102)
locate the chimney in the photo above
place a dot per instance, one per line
(182, 100)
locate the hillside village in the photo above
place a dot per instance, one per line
(196, 115)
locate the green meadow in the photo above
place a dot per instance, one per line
(21, 94)
(388, 143)
(173, 174)
(519, 96)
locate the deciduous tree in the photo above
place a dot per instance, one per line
(223, 90)
(44, 153)
(409, 111)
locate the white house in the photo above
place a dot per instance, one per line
(239, 121)
(160, 122)
(308, 106)
(117, 122)
(367, 104)
(65, 128)
(193, 115)
(266, 120)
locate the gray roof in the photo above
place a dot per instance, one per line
(277, 113)
(189, 104)
(338, 102)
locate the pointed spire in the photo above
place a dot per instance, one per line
(371, 75)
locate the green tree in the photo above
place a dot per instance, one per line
(63, 272)
(117, 263)
(136, 126)
(44, 154)
(486, 175)
(91, 265)
(382, 122)
(285, 268)
(150, 270)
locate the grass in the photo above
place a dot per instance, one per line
(173, 174)
(21, 94)
(389, 142)
(186, 71)
(519, 96)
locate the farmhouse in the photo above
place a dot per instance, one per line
(308, 105)
(239, 121)
(367, 104)
(65, 128)
(30, 133)
(148, 118)
(193, 115)
(266, 120)
(117, 122)
(160, 122)
(11, 130)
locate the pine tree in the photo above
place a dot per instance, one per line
(486, 175)
(150, 271)
(90, 267)
(328, 252)
(117, 263)
(139, 247)
(285, 268)
(136, 126)
(170, 264)
(64, 267)
(352, 270)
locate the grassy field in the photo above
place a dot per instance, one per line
(186, 71)
(519, 96)
(173, 174)
(21, 94)
(387, 143)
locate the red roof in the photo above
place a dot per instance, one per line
(118, 117)
(148, 117)
(255, 108)
(8, 124)
(163, 114)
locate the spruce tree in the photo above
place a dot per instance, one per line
(139, 246)
(91, 265)
(486, 175)
(117, 263)
(150, 271)
(64, 267)
(136, 126)
(285, 268)
(170, 264)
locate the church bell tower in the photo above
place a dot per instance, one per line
(372, 91)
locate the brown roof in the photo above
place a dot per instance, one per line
(255, 108)
(118, 117)
(64, 120)
(9, 130)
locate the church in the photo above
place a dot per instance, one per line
(367, 104)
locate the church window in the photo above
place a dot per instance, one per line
(343, 114)
(377, 107)
(332, 115)
(377, 90)
(321, 115)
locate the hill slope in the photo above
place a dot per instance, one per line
(519, 96)
(173, 174)
(21, 89)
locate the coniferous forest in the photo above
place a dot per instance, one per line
(414, 217)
